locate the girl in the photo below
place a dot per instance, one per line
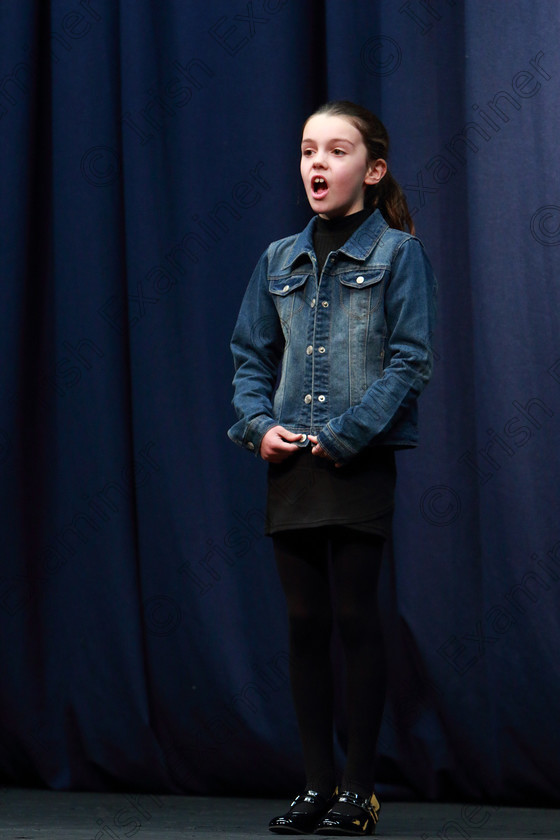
(344, 313)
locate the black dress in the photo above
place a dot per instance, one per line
(306, 491)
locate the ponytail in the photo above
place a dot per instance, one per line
(388, 197)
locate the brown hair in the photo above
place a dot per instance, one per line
(387, 194)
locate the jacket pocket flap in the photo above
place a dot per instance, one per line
(283, 286)
(362, 279)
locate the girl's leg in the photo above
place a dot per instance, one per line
(302, 561)
(356, 563)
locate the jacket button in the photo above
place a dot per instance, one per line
(312, 304)
(307, 399)
(321, 349)
(309, 350)
(321, 398)
(359, 279)
(325, 303)
(286, 289)
(250, 445)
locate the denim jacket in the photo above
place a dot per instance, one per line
(343, 355)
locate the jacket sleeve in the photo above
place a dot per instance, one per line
(257, 345)
(410, 317)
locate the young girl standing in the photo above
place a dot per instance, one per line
(342, 314)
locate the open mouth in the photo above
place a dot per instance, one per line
(319, 186)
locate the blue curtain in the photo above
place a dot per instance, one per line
(149, 154)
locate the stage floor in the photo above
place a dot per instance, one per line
(48, 815)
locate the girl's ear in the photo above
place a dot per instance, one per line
(376, 170)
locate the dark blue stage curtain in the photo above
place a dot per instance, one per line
(149, 154)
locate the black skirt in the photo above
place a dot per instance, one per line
(306, 491)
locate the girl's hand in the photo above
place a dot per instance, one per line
(318, 449)
(276, 446)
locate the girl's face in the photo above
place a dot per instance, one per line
(334, 166)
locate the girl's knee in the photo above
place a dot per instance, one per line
(358, 629)
(310, 628)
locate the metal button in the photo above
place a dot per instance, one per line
(325, 303)
(313, 303)
(359, 279)
(250, 445)
(321, 349)
(321, 398)
(309, 350)
(307, 398)
(286, 289)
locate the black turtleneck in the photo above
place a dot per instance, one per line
(331, 234)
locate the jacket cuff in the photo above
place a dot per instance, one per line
(250, 435)
(334, 447)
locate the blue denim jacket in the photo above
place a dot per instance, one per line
(352, 348)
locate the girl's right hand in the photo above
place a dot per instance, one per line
(276, 446)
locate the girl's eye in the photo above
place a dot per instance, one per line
(338, 151)
(307, 152)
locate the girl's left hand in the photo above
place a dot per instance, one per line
(318, 449)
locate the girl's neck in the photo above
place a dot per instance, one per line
(343, 222)
(331, 234)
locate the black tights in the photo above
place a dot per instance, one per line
(302, 560)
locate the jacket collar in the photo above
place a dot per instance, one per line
(358, 247)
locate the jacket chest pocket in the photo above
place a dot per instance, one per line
(361, 292)
(288, 293)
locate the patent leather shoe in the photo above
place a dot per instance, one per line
(300, 819)
(336, 821)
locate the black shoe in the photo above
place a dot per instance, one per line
(360, 824)
(302, 821)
